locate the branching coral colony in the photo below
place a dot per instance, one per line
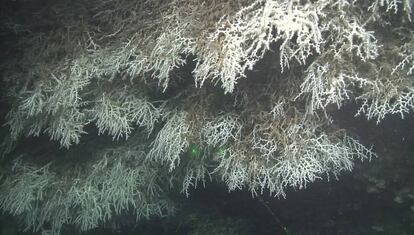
(239, 91)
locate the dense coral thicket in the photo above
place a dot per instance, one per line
(238, 91)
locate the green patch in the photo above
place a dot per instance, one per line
(220, 151)
(194, 150)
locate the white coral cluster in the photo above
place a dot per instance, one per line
(46, 201)
(147, 73)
